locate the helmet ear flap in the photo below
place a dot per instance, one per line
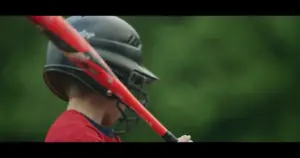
(57, 77)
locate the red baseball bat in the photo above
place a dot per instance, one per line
(82, 54)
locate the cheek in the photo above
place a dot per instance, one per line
(122, 106)
(116, 110)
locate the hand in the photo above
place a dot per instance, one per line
(185, 138)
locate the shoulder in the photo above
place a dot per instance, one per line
(72, 132)
(72, 127)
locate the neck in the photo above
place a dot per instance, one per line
(88, 108)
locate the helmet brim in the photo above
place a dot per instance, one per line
(128, 64)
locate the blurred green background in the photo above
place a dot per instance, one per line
(222, 78)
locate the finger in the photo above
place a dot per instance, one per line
(184, 138)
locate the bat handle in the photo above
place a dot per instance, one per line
(170, 137)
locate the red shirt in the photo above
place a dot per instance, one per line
(72, 126)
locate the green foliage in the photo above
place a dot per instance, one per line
(222, 78)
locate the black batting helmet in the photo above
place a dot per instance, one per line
(117, 43)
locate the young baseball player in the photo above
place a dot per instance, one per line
(92, 109)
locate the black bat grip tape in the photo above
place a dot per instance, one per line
(170, 137)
